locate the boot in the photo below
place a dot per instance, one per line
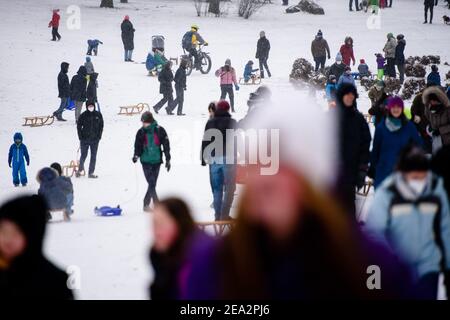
(262, 74)
(92, 176)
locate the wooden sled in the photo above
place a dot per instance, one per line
(369, 118)
(175, 60)
(38, 121)
(71, 169)
(218, 226)
(64, 213)
(364, 191)
(255, 80)
(132, 110)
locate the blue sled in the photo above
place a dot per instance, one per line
(108, 211)
(70, 105)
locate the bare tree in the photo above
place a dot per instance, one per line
(248, 7)
(107, 4)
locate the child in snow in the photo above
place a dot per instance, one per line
(17, 153)
(54, 24)
(346, 77)
(160, 60)
(249, 72)
(363, 69)
(150, 64)
(330, 91)
(93, 46)
(68, 186)
(380, 66)
(434, 78)
(89, 66)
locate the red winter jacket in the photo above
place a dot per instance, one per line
(347, 54)
(55, 20)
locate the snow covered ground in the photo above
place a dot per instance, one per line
(112, 252)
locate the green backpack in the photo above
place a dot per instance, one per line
(152, 149)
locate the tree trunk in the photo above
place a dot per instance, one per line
(107, 4)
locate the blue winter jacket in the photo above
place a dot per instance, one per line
(150, 62)
(346, 78)
(17, 152)
(94, 43)
(330, 91)
(387, 146)
(54, 188)
(248, 71)
(404, 221)
(434, 78)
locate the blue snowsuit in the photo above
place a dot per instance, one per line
(17, 153)
(249, 72)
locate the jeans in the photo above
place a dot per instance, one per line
(227, 89)
(262, 65)
(69, 201)
(62, 107)
(78, 107)
(390, 67)
(19, 173)
(179, 100)
(320, 62)
(223, 183)
(427, 7)
(167, 97)
(55, 34)
(84, 147)
(128, 55)
(401, 71)
(151, 172)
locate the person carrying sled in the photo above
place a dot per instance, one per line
(17, 153)
(54, 24)
(150, 144)
(191, 40)
(93, 46)
(249, 72)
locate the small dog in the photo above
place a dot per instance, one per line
(446, 19)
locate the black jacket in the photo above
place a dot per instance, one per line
(222, 121)
(63, 81)
(180, 79)
(429, 3)
(139, 142)
(90, 126)
(262, 48)
(127, 35)
(378, 110)
(31, 275)
(400, 52)
(91, 92)
(354, 140)
(165, 81)
(337, 70)
(78, 85)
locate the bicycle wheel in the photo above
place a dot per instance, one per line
(189, 67)
(205, 64)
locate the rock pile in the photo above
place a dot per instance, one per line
(308, 6)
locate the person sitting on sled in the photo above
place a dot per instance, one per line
(249, 72)
(93, 46)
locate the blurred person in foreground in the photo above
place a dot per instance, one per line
(291, 241)
(410, 214)
(175, 236)
(24, 270)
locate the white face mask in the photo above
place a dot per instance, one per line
(417, 185)
(91, 109)
(338, 62)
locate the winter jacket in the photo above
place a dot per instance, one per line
(400, 52)
(55, 20)
(380, 62)
(418, 109)
(320, 48)
(389, 48)
(31, 276)
(434, 78)
(337, 70)
(227, 76)
(127, 35)
(94, 43)
(249, 71)
(54, 188)
(363, 70)
(180, 78)
(90, 126)
(378, 108)
(387, 146)
(18, 152)
(141, 141)
(78, 85)
(439, 165)
(222, 121)
(439, 119)
(409, 223)
(347, 54)
(150, 63)
(91, 91)
(165, 79)
(346, 78)
(429, 3)
(330, 91)
(89, 66)
(63, 81)
(262, 48)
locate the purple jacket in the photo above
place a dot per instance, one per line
(380, 62)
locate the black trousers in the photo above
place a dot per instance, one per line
(55, 34)
(390, 67)
(193, 52)
(84, 148)
(179, 100)
(151, 173)
(167, 97)
(262, 65)
(227, 89)
(350, 4)
(429, 7)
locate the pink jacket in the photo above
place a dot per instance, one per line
(226, 77)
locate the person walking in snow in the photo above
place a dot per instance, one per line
(262, 53)
(93, 46)
(91, 91)
(180, 87)
(227, 76)
(320, 51)
(89, 66)
(127, 38)
(389, 53)
(17, 156)
(437, 111)
(78, 90)
(350, 5)
(150, 144)
(337, 68)
(54, 24)
(90, 130)
(400, 56)
(165, 79)
(63, 91)
(347, 52)
(429, 6)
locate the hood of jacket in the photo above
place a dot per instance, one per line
(47, 175)
(17, 136)
(344, 89)
(82, 71)
(64, 67)
(439, 93)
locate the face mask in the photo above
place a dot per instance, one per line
(338, 62)
(91, 109)
(417, 185)
(146, 125)
(18, 142)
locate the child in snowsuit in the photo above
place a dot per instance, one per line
(330, 91)
(93, 46)
(380, 66)
(363, 69)
(17, 152)
(249, 72)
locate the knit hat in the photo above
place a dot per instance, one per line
(395, 101)
(434, 68)
(250, 62)
(90, 103)
(390, 35)
(88, 59)
(400, 37)
(319, 33)
(228, 62)
(413, 158)
(223, 105)
(147, 117)
(362, 61)
(127, 17)
(339, 57)
(56, 166)
(262, 34)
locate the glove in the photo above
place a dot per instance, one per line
(236, 87)
(168, 166)
(135, 159)
(361, 179)
(329, 57)
(203, 163)
(417, 119)
(185, 88)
